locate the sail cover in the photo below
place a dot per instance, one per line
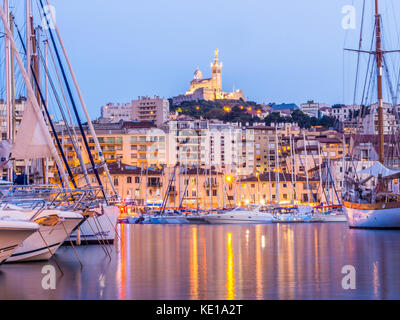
(30, 142)
(379, 169)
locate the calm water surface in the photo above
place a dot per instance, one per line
(302, 261)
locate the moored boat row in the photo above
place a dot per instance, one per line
(261, 215)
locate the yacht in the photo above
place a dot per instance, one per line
(329, 217)
(239, 216)
(12, 234)
(328, 214)
(55, 226)
(296, 214)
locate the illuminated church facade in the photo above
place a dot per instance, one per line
(210, 88)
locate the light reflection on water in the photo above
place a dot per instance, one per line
(221, 262)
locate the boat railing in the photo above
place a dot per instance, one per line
(53, 197)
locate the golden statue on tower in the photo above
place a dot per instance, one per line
(210, 88)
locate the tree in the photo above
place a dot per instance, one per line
(215, 113)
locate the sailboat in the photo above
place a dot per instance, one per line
(34, 141)
(12, 234)
(377, 208)
(53, 228)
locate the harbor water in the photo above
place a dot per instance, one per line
(283, 261)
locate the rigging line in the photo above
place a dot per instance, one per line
(63, 93)
(75, 109)
(371, 84)
(359, 53)
(306, 172)
(389, 82)
(320, 164)
(398, 45)
(74, 136)
(62, 90)
(48, 115)
(368, 66)
(74, 143)
(50, 78)
(387, 67)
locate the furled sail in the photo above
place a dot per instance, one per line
(30, 142)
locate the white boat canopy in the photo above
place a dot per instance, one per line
(379, 169)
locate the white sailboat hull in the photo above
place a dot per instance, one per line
(43, 244)
(101, 227)
(12, 234)
(375, 218)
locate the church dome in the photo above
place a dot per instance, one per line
(198, 75)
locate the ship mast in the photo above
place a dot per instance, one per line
(379, 60)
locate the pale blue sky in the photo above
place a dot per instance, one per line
(276, 51)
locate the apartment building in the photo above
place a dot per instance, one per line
(154, 109)
(117, 112)
(314, 109)
(273, 187)
(145, 108)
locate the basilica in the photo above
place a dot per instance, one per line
(210, 88)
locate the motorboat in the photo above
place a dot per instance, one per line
(295, 214)
(239, 216)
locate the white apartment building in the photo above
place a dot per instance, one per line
(202, 143)
(19, 111)
(346, 113)
(117, 112)
(313, 109)
(370, 121)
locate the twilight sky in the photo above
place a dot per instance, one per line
(276, 51)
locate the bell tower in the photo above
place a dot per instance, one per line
(216, 70)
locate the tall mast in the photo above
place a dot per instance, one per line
(278, 197)
(320, 172)
(292, 164)
(8, 83)
(13, 115)
(379, 60)
(269, 172)
(306, 168)
(28, 39)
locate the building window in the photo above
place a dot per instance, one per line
(137, 180)
(129, 180)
